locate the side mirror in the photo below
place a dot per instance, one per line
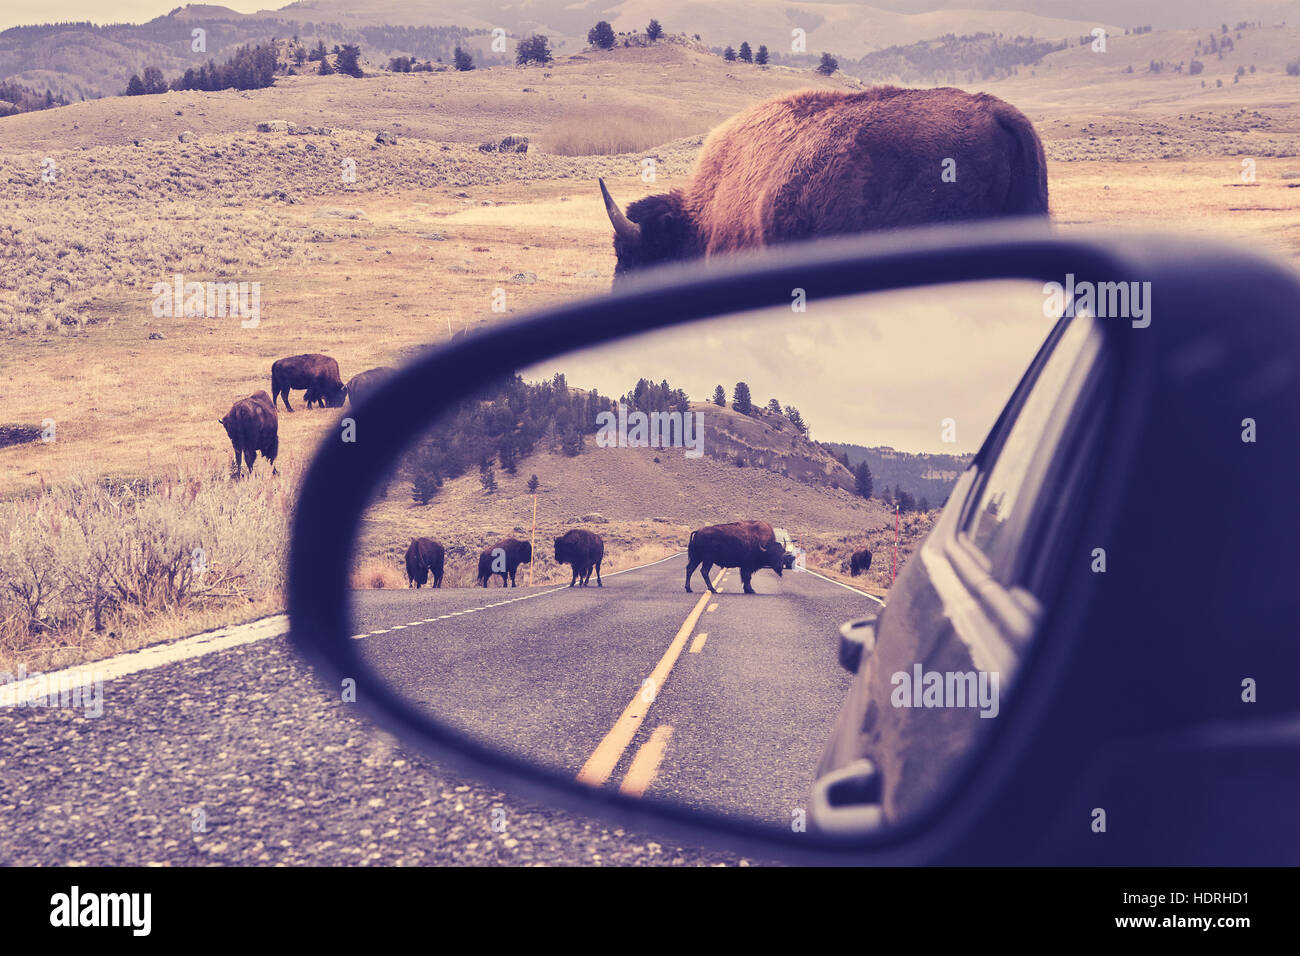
(531, 691)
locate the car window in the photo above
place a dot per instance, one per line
(997, 524)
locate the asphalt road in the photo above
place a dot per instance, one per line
(719, 702)
(240, 756)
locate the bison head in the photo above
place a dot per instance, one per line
(656, 229)
(335, 398)
(561, 552)
(774, 554)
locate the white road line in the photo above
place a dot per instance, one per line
(148, 658)
(160, 655)
(562, 587)
(845, 586)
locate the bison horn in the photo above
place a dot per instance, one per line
(624, 228)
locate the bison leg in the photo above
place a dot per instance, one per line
(690, 569)
(745, 575)
(598, 584)
(437, 579)
(575, 575)
(708, 566)
(250, 456)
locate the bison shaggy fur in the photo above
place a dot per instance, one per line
(424, 557)
(318, 374)
(252, 426)
(503, 558)
(825, 162)
(363, 383)
(747, 545)
(584, 551)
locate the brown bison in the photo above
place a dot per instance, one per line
(363, 383)
(424, 556)
(503, 558)
(253, 426)
(822, 162)
(584, 550)
(318, 374)
(748, 545)
(860, 563)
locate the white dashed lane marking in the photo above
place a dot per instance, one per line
(526, 597)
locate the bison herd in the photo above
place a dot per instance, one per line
(747, 545)
(253, 423)
(583, 550)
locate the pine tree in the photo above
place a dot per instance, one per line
(862, 479)
(796, 419)
(720, 397)
(325, 68)
(533, 484)
(746, 54)
(654, 31)
(601, 36)
(828, 65)
(740, 399)
(462, 60)
(350, 60)
(760, 58)
(533, 49)
(729, 54)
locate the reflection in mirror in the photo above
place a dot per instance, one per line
(524, 576)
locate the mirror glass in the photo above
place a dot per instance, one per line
(524, 575)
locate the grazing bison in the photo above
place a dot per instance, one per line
(503, 558)
(253, 426)
(318, 374)
(822, 162)
(748, 545)
(363, 383)
(584, 550)
(860, 563)
(423, 556)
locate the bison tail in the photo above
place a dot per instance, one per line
(1027, 195)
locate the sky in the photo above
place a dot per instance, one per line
(885, 369)
(13, 13)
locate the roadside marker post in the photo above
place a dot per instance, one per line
(532, 543)
(894, 576)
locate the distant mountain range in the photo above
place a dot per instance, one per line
(923, 475)
(84, 61)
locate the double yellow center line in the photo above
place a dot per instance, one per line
(600, 765)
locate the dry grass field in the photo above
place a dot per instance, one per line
(369, 270)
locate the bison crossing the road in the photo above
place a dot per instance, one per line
(503, 558)
(747, 545)
(822, 162)
(584, 550)
(424, 557)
